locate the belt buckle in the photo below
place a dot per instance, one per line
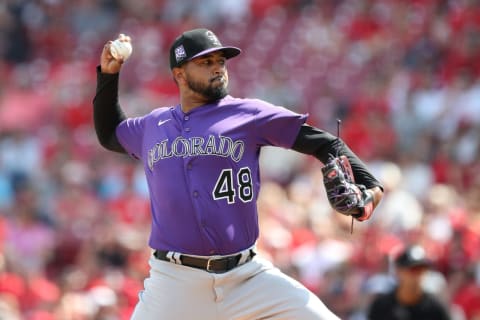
(209, 263)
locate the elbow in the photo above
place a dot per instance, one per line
(102, 136)
(110, 143)
(104, 143)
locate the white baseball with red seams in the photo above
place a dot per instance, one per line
(121, 49)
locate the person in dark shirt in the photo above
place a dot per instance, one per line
(408, 300)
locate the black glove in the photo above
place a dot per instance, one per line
(344, 195)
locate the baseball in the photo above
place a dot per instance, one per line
(121, 49)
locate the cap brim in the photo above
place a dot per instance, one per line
(413, 264)
(229, 52)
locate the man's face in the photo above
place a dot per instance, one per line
(207, 75)
(410, 276)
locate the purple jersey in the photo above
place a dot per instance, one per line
(202, 170)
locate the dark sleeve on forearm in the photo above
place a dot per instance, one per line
(321, 145)
(107, 113)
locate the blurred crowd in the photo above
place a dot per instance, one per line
(402, 76)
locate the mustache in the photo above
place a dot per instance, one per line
(220, 77)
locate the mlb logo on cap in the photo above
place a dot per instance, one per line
(180, 53)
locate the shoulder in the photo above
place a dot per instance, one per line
(159, 111)
(390, 295)
(254, 105)
(381, 306)
(384, 299)
(432, 300)
(143, 121)
(434, 306)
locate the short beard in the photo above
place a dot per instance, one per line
(210, 92)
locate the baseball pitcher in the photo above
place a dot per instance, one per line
(201, 161)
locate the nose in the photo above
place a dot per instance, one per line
(219, 68)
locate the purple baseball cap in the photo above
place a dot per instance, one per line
(197, 42)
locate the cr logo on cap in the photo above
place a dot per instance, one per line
(180, 53)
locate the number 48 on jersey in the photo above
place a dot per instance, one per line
(225, 187)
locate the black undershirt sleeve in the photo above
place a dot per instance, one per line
(107, 113)
(322, 145)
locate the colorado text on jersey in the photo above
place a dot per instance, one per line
(194, 146)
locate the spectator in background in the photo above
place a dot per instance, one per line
(467, 297)
(408, 300)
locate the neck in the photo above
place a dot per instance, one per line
(188, 106)
(191, 100)
(409, 295)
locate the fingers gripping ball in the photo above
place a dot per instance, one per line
(344, 195)
(121, 49)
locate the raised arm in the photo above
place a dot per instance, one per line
(107, 113)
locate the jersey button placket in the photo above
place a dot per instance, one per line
(189, 166)
(186, 118)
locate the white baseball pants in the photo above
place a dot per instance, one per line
(253, 291)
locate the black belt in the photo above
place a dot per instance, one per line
(216, 265)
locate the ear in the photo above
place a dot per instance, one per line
(178, 74)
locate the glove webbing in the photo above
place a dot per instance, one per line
(366, 196)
